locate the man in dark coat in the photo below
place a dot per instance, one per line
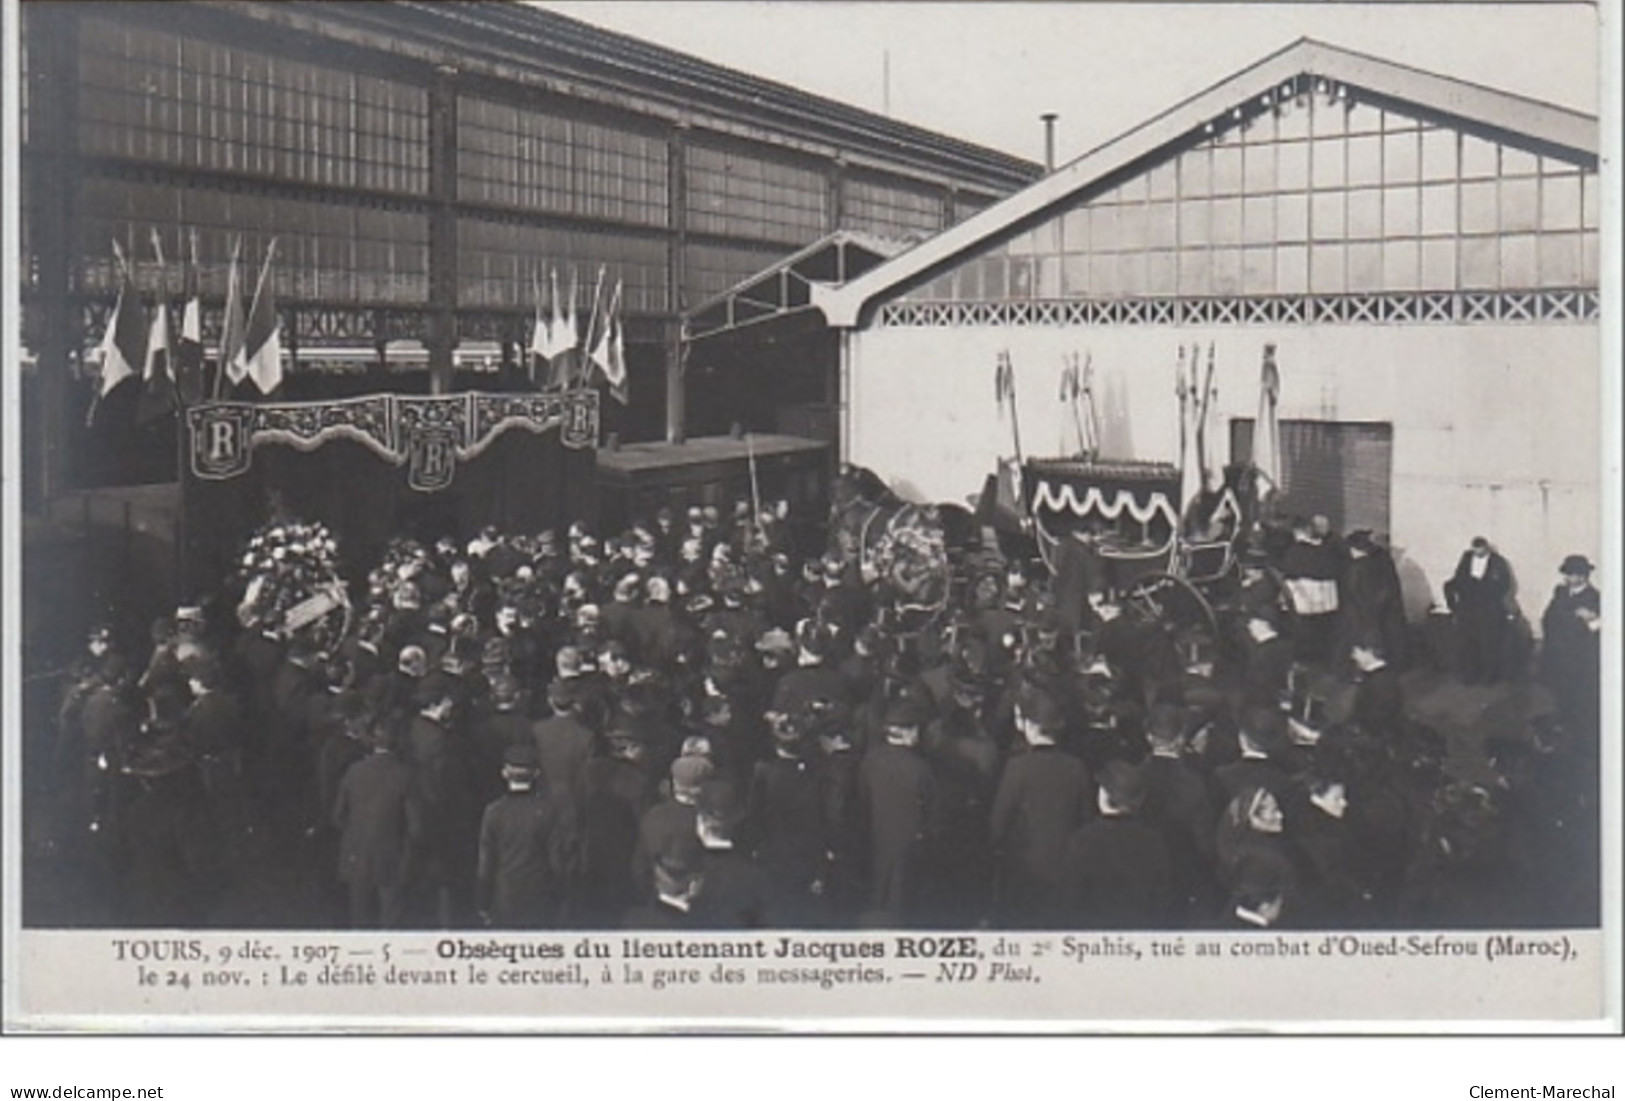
(564, 741)
(668, 819)
(1372, 600)
(1264, 744)
(1178, 804)
(784, 824)
(1268, 662)
(734, 889)
(1117, 872)
(1379, 702)
(1479, 595)
(524, 849)
(1570, 655)
(379, 820)
(615, 791)
(898, 798)
(1043, 796)
(214, 732)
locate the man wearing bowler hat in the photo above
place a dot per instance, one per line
(1570, 655)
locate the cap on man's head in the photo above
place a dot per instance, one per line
(1265, 727)
(1123, 785)
(522, 756)
(1041, 709)
(907, 710)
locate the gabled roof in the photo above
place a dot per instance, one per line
(785, 288)
(1305, 63)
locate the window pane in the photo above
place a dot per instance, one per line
(1365, 213)
(1075, 230)
(1479, 158)
(1292, 167)
(1227, 271)
(1365, 267)
(1161, 273)
(1326, 211)
(1258, 270)
(1519, 261)
(1102, 274)
(1131, 273)
(1328, 163)
(1401, 158)
(1195, 222)
(1560, 202)
(1227, 170)
(1292, 217)
(1520, 201)
(1075, 273)
(1556, 166)
(1393, 121)
(1162, 180)
(1400, 212)
(1131, 229)
(1400, 260)
(1294, 120)
(1364, 119)
(1195, 174)
(1480, 262)
(1588, 259)
(1195, 271)
(1133, 190)
(1438, 209)
(1590, 192)
(1327, 119)
(1478, 207)
(1103, 228)
(1326, 269)
(1258, 221)
(1047, 238)
(1365, 161)
(1260, 168)
(1438, 154)
(1292, 270)
(1021, 278)
(1162, 224)
(1560, 260)
(1227, 221)
(1439, 265)
(1516, 162)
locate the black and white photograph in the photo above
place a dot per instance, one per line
(895, 510)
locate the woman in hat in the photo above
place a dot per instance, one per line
(1570, 656)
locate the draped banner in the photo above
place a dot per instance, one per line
(427, 435)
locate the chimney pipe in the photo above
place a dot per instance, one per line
(1049, 118)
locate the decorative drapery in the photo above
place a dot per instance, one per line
(427, 435)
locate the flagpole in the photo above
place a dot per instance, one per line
(755, 490)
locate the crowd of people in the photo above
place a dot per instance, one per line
(696, 723)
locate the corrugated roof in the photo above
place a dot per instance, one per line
(526, 43)
(1557, 131)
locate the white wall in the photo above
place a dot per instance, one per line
(1497, 428)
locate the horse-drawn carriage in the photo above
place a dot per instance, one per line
(1163, 539)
